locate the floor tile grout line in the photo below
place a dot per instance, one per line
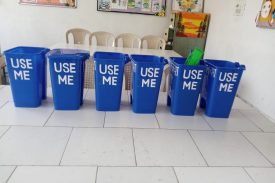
(66, 146)
(197, 147)
(135, 154)
(256, 149)
(11, 175)
(249, 175)
(168, 129)
(5, 132)
(155, 166)
(176, 174)
(48, 118)
(212, 129)
(104, 122)
(157, 120)
(251, 121)
(96, 174)
(5, 103)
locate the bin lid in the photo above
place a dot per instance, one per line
(25, 50)
(147, 59)
(180, 62)
(68, 53)
(110, 56)
(224, 64)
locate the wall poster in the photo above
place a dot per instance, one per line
(148, 7)
(266, 16)
(187, 5)
(193, 25)
(57, 3)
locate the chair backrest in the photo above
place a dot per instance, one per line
(79, 35)
(128, 40)
(102, 38)
(153, 42)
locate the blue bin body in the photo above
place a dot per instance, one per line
(147, 75)
(109, 70)
(67, 69)
(220, 87)
(185, 86)
(28, 76)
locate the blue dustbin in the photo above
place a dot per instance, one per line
(220, 87)
(28, 75)
(67, 68)
(109, 69)
(147, 75)
(185, 86)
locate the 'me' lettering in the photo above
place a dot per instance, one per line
(227, 81)
(109, 74)
(23, 67)
(67, 70)
(149, 77)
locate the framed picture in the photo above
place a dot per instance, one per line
(146, 7)
(57, 3)
(266, 16)
(192, 25)
(187, 5)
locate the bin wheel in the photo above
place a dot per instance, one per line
(131, 99)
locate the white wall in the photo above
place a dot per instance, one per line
(44, 26)
(238, 39)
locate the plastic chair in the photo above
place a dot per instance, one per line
(102, 38)
(164, 87)
(128, 41)
(153, 42)
(79, 35)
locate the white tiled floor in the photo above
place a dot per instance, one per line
(2, 102)
(265, 142)
(106, 147)
(43, 145)
(236, 122)
(227, 149)
(3, 129)
(5, 172)
(86, 117)
(168, 121)
(25, 116)
(49, 174)
(5, 93)
(262, 175)
(166, 148)
(136, 175)
(240, 104)
(260, 120)
(33, 146)
(212, 175)
(126, 118)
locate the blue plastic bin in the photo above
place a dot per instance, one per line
(67, 68)
(220, 87)
(109, 69)
(147, 75)
(28, 76)
(185, 86)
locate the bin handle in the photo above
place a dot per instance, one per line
(127, 58)
(165, 61)
(238, 65)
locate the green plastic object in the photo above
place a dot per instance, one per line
(194, 57)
